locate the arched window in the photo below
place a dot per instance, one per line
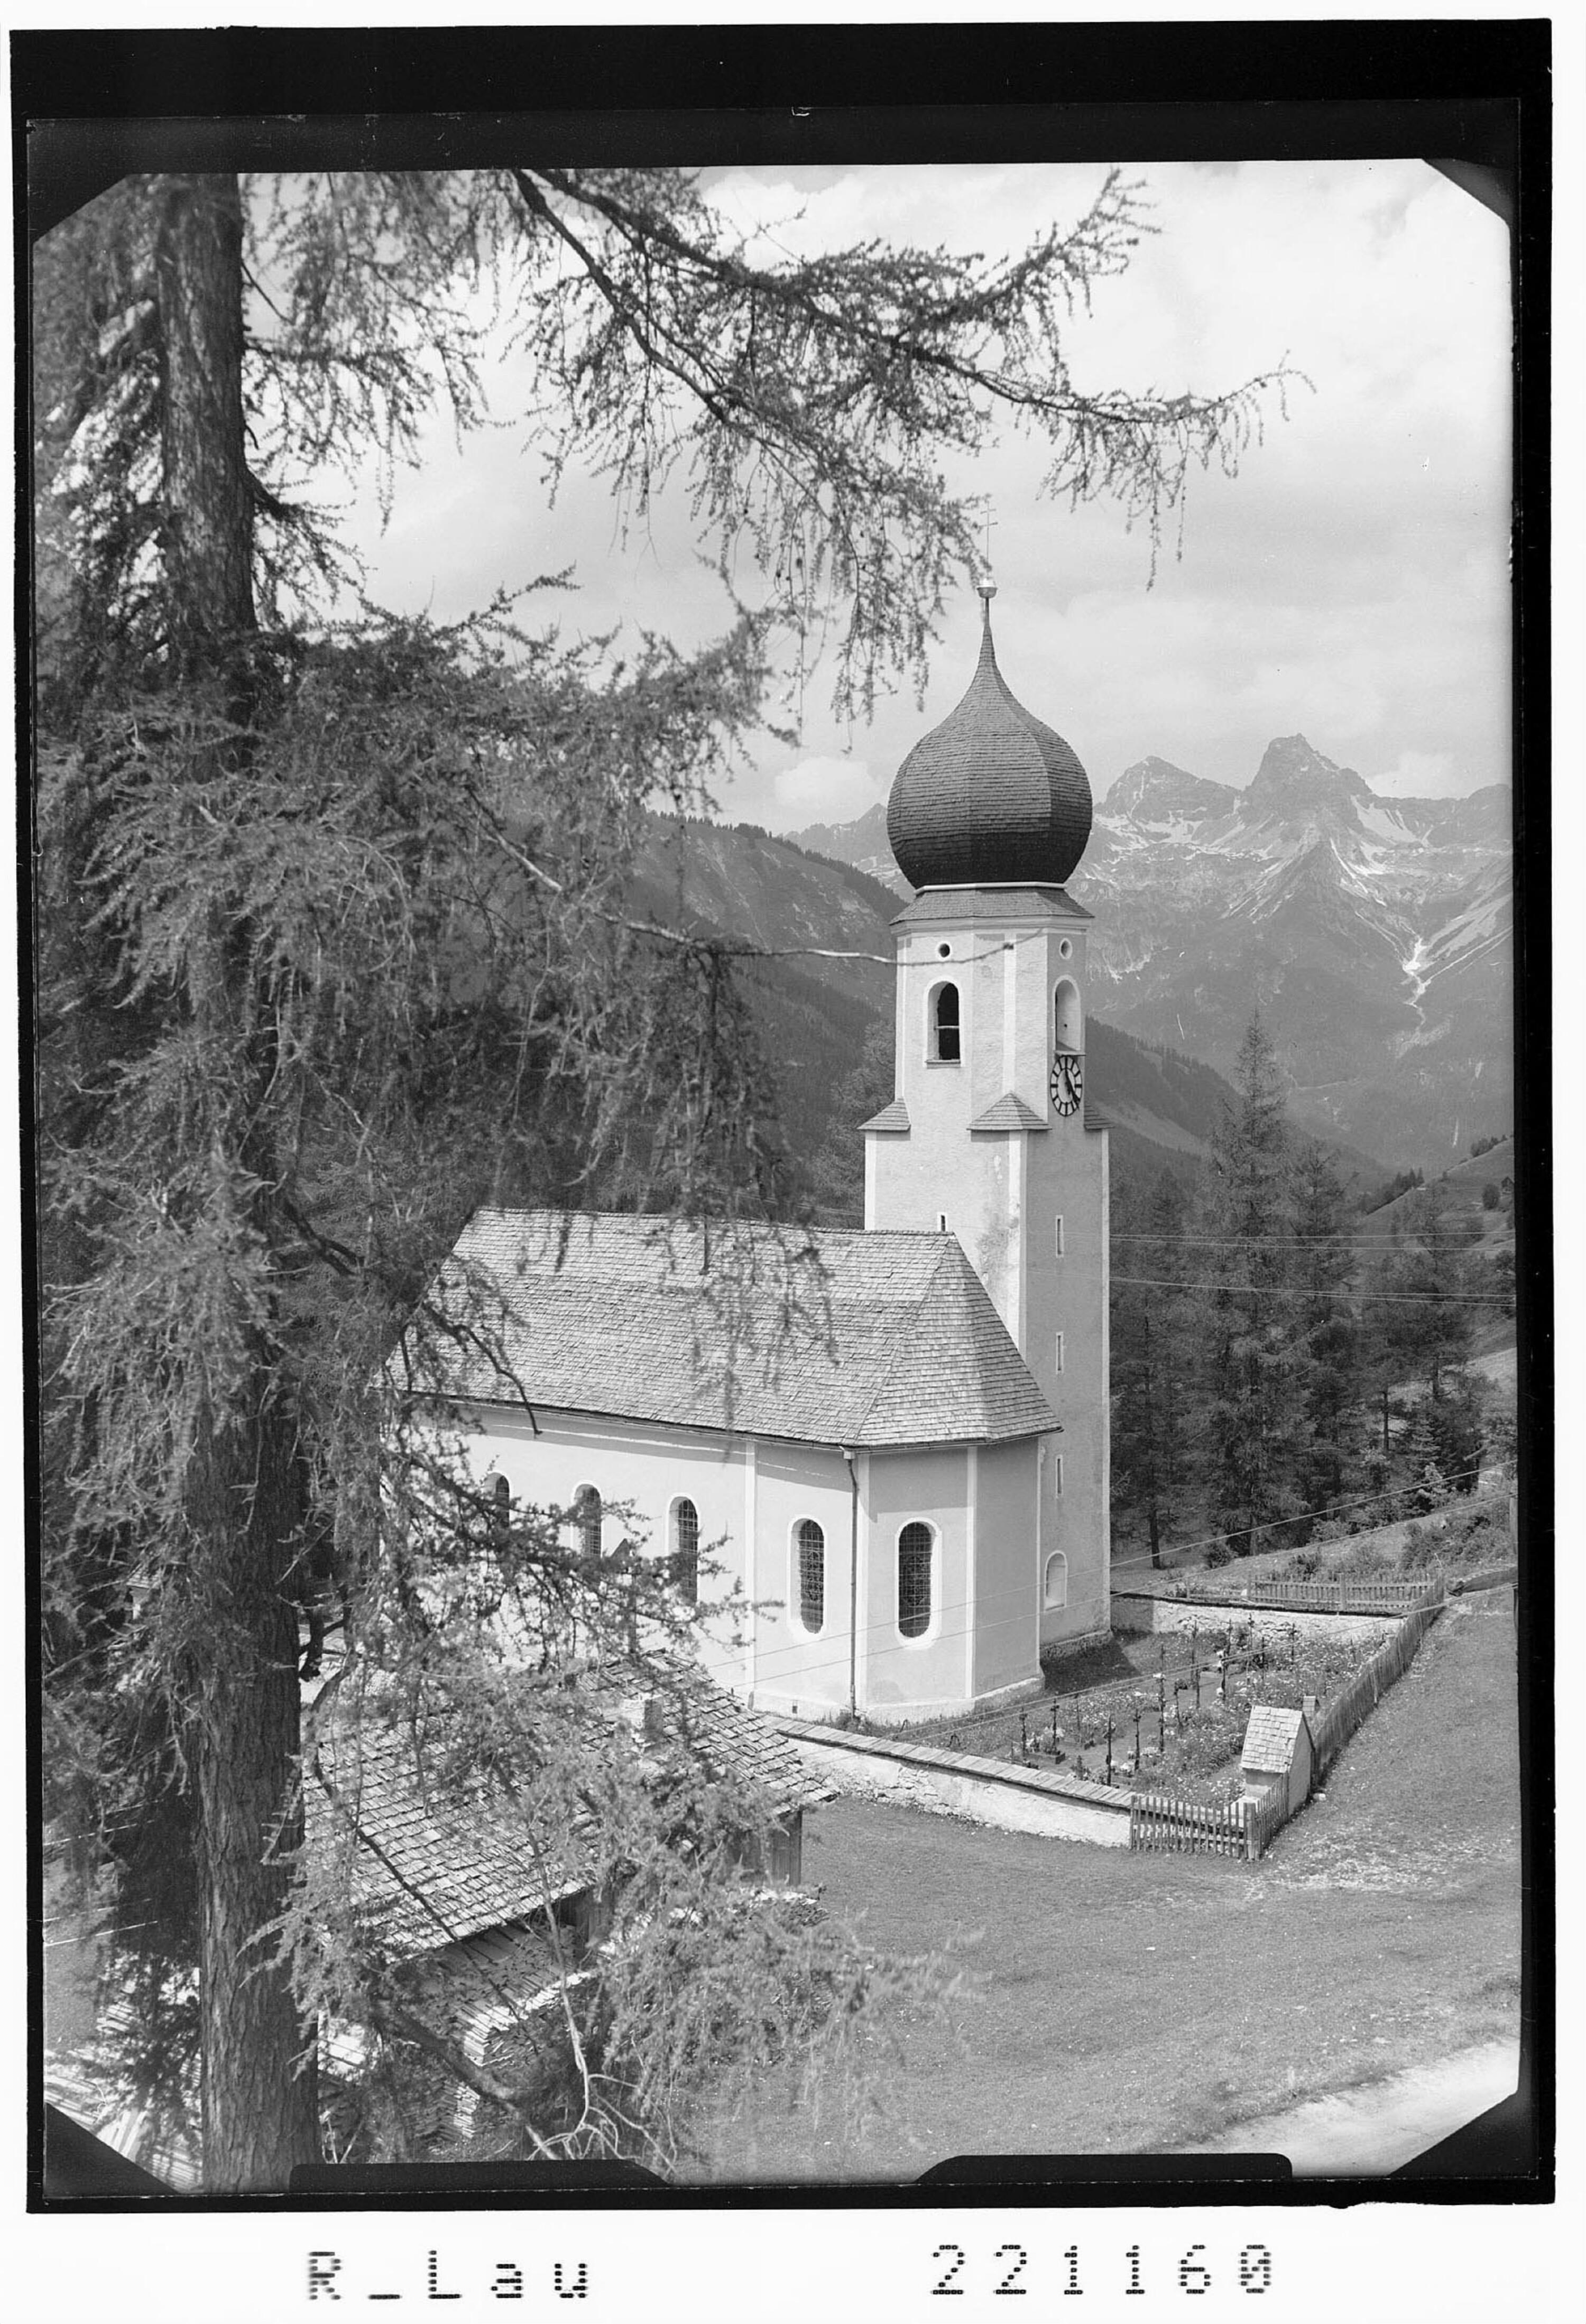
(1056, 1590)
(586, 1517)
(914, 1580)
(1067, 1023)
(686, 1550)
(945, 1047)
(809, 1544)
(500, 1508)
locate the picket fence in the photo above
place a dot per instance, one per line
(1158, 1819)
(1343, 1597)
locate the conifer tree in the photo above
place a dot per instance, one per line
(334, 944)
(1424, 1287)
(1327, 1338)
(1252, 1430)
(1150, 1383)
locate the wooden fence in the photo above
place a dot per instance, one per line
(1339, 1596)
(1336, 1721)
(1157, 1819)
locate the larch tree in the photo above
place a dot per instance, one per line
(333, 945)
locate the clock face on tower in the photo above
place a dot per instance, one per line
(1067, 1082)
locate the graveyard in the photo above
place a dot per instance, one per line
(1166, 1709)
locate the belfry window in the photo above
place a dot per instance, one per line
(945, 1048)
(1067, 1023)
(810, 1549)
(914, 1581)
(586, 1516)
(1055, 1592)
(686, 1550)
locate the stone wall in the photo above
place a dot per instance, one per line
(1138, 1614)
(954, 1782)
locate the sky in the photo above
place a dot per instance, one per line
(1350, 582)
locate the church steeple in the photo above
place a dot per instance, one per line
(991, 797)
(987, 1137)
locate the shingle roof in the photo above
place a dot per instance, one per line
(1270, 1740)
(990, 794)
(834, 1337)
(1009, 1112)
(430, 1870)
(892, 1119)
(433, 1870)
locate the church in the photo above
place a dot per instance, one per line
(893, 1441)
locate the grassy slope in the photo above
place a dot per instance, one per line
(1134, 2002)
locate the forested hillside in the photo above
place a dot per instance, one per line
(1282, 1361)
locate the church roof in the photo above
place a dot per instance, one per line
(832, 1337)
(993, 795)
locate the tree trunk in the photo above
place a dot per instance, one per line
(260, 2107)
(207, 535)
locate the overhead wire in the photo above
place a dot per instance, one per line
(1310, 1291)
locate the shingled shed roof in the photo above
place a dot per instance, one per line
(433, 1871)
(835, 1337)
(429, 1869)
(1270, 1740)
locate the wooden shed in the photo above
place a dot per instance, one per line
(1278, 1754)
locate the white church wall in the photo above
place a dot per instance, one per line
(644, 1465)
(915, 1678)
(795, 1664)
(747, 1493)
(1006, 1564)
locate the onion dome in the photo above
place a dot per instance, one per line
(991, 797)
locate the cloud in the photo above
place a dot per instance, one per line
(822, 790)
(1350, 581)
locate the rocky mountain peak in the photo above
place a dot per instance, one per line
(1293, 780)
(1154, 790)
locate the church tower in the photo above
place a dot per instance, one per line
(987, 1138)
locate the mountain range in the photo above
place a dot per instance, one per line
(1375, 932)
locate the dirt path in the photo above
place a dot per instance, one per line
(1147, 2002)
(1380, 2127)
